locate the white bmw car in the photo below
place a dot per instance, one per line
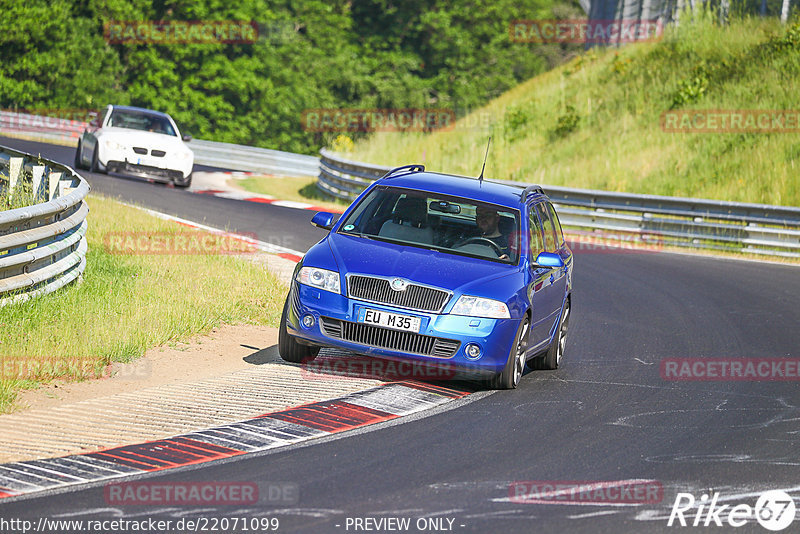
(136, 141)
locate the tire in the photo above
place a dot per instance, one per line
(95, 167)
(515, 365)
(78, 163)
(183, 184)
(289, 349)
(552, 358)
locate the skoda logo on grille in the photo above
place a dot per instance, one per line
(398, 284)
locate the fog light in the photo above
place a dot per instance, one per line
(308, 321)
(473, 351)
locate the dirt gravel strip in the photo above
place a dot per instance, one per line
(266, 431)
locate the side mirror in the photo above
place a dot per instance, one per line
(324, 220)
(187, 138)
(549, 259)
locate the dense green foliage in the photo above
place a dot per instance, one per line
(309, 54)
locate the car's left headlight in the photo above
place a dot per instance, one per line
(113, 145)
(480, 307)
(319, 278)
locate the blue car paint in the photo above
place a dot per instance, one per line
(526, 288)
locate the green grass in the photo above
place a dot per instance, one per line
(595, 121)
(302, 189)
(127, 304)
(22, 195)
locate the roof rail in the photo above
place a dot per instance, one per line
(531, 190)
(410, 168)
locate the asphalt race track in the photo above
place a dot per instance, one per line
(607, 415)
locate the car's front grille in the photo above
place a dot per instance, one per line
(386, 338)
(140, 150)
(157, 153)
(413, 297)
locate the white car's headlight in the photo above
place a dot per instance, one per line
(319, 278)
(113, 145)
(183, 155)
(480, 307)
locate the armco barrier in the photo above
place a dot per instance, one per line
(650, 219)
(43, 245)
(222, 155)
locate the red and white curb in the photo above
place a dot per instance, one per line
(268, 431)
(263, 199)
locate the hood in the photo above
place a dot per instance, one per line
(430, 267)
(129, 137)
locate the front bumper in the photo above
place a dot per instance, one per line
(145, 171)
(440, 344)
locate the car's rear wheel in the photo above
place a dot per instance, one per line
(288, 347)
(512, 373)
(552, 358)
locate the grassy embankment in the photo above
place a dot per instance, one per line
(127, 303)
(595, 121)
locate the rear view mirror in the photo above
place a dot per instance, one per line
(187, 138)
(445, 207)
(549, 259)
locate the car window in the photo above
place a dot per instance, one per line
(547, 228)
(535, 233)
(137, 120)
(556, 225)
(447, 223)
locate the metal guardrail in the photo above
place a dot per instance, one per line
(43, 245)
(252, 159)
(649, 219)
(212, 153)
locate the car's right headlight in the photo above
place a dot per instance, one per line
(319, 278)
(113, 145)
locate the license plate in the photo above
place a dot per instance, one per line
(389, 320)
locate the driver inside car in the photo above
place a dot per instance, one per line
(488, 220)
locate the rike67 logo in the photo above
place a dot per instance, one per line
(774, 510)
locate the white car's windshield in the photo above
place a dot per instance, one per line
(449, 224)
(137, 120)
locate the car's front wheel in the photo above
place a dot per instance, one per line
(78, 158)
(183, 183)
(512, 373)
(95, 163)
(288, 347)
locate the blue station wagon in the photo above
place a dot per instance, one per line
(438, 270)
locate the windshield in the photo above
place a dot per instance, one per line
(137, 120)
(453, 225)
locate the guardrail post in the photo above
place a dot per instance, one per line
(52, 183)
(37, 173)
(14, 170)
